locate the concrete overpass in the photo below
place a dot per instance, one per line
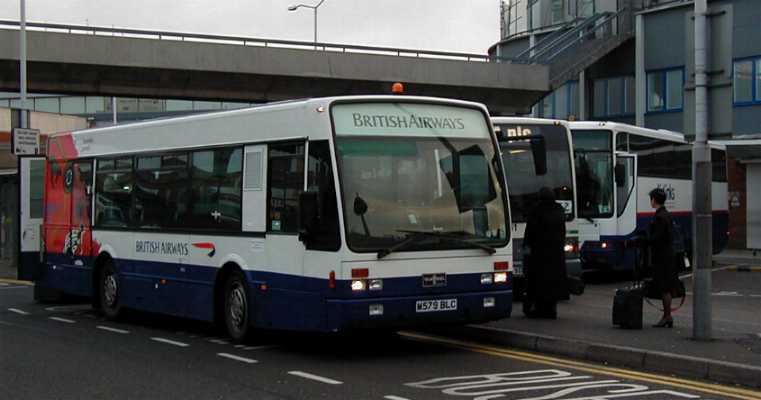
(82, 60)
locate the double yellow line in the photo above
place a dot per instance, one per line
(696, 386)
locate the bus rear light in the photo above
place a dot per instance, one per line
(604, 245)
(501, 266)
(569, 248)
(375, 284)
(376, 309)
(500, 277)
(487, 279)
(332, 280)
(489, 302)
(358, 285)
(360, 273)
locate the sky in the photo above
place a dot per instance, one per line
(446, 25)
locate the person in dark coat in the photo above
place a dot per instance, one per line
(659, 241)
(546, 280)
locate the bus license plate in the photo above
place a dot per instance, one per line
(436, 305)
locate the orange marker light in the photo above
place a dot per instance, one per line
(397, 88)
(332, 280)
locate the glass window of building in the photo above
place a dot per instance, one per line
(758, 79)
(743, 81)
(630, 101)
(47, 104)
(655, 91)
(557, 11)
(179, 105)
(573, 99)
(150, 105)
(547, 109)
(207, 105)
(72, 105)
(599, 98)
(615, 96)
(561, 102)
(675, 89)
(126, 105)
(95, 104)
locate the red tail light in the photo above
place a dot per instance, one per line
(360, 273)
(501, 266)
(332, 280)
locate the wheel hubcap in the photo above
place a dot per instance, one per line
(110, 290)
(237, 306)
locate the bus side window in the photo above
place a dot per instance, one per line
(320, 180)
(286, 182)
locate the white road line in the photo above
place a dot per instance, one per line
(317, 378)
(4, 284)
(218, 341)
(259, 347)
(68, 321)
(237, 358)
(17, 311)
(110, 329)
(172, 342)
(391, 397)
(76, 307)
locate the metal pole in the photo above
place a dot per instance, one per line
(113, 108)
(22, 63)
(315, 28)
(701, 158)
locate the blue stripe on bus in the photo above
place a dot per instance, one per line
(615, 257)
(289, 302)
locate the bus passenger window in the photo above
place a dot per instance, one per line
(320, 180)
(216, 177)
(113, 187)
(286, 182)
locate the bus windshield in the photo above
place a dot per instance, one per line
(593, 154)
(410, 168)
(522, 179)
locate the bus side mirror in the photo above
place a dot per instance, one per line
(620, 173)
(539, 151)
(307, 214)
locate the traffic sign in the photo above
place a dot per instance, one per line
(25, 141)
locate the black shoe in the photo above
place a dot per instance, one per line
(665, 323)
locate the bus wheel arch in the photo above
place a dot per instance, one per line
(231, 292)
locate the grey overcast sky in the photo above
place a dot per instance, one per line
(448, 25)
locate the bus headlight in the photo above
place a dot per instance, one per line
(358, 285)
(571, 246)
(500, 277)
(487, 279)
(375, 284)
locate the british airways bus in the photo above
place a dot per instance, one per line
(617, 165)
(324, 215)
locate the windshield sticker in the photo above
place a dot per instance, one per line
(407, 119)
(567, 205)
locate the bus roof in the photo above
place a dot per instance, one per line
(298, 119)
(621, 127)
(528, 120)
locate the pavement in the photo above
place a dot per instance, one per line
(584, 331)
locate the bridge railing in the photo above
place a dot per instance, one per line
(252, 41)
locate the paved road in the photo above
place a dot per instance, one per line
(66, 352)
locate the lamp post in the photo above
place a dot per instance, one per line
(314, 8)
(22, 62)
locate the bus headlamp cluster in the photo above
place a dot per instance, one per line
(359, 285)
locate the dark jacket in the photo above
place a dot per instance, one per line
(545, 266)
(660, 242)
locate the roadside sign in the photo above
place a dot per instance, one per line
(25, 141)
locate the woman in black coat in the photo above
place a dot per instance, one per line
(546, 280)
(659, 240)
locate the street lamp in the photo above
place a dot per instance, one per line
(314, 8)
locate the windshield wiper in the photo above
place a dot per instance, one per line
(451, 237)
(412, 236)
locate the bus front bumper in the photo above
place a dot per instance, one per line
(406, 312)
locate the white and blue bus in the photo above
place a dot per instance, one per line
(617, 165)
(324, 215)
(537, 153)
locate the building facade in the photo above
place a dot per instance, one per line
(632, 61)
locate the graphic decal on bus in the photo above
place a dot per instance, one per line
(206, 246)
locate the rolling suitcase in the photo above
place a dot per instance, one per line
(627, 308)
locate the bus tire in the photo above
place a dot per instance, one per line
(108, 291)
(236, 306)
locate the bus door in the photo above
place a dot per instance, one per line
(626, 200)
(78, 246)
(31, 171)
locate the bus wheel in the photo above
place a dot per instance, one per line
(236, 307)
(109, 291)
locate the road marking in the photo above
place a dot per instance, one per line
(68, 321)
(259, 347)
(14, 287)
(686, 384)
(4, 284)
(392, 397)
(219, 341)
(167, 341)
(76, 307)
(16, 282)
(237, 358)
(317, 378)
(110, 329)
(17, 311)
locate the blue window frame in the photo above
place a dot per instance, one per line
(613, 97)
(665, 90)
(561, 103)
(746, 81)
